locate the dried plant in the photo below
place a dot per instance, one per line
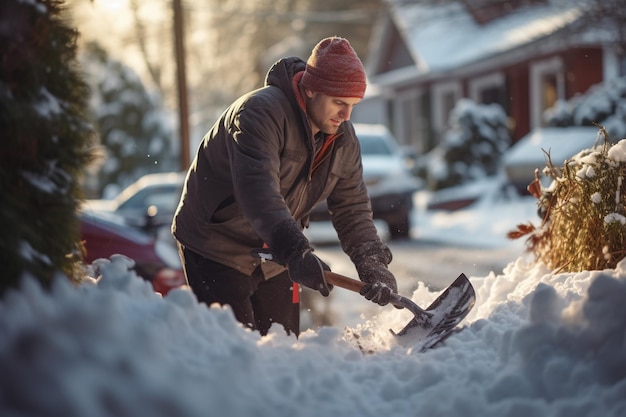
(583, 216)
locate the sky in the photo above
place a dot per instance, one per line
(537, 343)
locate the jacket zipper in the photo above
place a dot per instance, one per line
(309, 178)
(324, 154)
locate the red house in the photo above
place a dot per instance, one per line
(522, 54)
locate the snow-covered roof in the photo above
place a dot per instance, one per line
(445, 37)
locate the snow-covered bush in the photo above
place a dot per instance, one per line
(471, 149)
(583, 215)
(46, 141)
(603, 104)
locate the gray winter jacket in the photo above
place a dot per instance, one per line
(253, 170)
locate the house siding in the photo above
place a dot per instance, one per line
(535, 74)
(584, 68)
(518, 85)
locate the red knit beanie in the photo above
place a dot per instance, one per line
(335, 69)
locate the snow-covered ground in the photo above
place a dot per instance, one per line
(536, 344)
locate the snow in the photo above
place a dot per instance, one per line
(615, 218)
(422, 23)
(561, 142)
(617, 152)
(537, 343)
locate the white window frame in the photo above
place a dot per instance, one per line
(479, 84)
(538, 70)
(406, 128)
(611, 61)
(440, 116)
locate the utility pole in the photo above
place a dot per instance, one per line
(181, 78)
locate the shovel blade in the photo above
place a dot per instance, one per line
(446, 312)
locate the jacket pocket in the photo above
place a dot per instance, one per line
(225, 211)
(340, 171)
(337, 173)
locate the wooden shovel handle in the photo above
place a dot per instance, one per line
(354, 285)
(343, 281)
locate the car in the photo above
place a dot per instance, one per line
(527, 154)
(156, 260)
(149, 203)
(390, 184)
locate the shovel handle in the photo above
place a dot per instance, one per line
(354, 285)
(343, 281)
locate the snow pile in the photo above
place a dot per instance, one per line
(536, 344)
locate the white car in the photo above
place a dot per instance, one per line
(389, 183)
(149, 203)
(521, 160)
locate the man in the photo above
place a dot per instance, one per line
(270, 158)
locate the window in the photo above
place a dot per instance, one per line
(374, 145)
(546, 87)
(408, 118)
(488, 89)
(614, 63)
(444, 99)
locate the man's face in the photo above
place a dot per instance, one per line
(327, 113)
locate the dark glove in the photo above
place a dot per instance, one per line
(379, 284)
(308, 270)
(291, 248)
(371, 260)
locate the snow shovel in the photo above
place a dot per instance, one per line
(428, 327)
(432, 325)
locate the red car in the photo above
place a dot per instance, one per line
(156, 260)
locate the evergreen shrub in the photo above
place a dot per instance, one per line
(46, 142)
